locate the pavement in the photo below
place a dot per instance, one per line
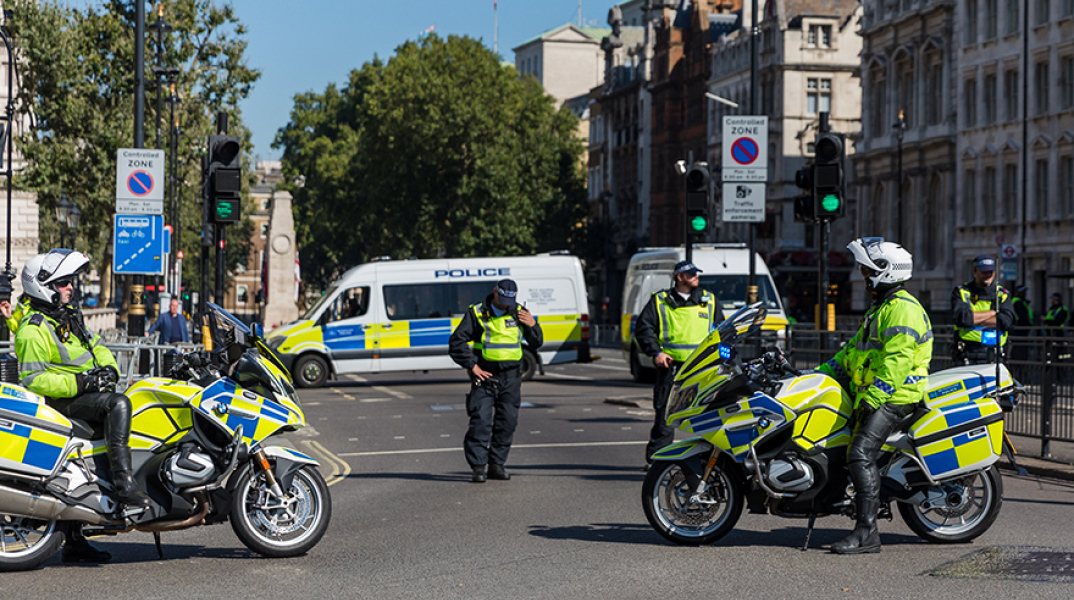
(1054, 468)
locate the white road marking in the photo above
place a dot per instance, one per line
(382, 389)
(443, 435)
(625, 428)
(608, 367)
(399, 437)
(579, 430)
(375, 400)
(513, 447)
(574, 377)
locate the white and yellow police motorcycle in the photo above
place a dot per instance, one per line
(199, 449)
(775, 439)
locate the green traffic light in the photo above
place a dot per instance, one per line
(830, 203)
(698, 223)
(224, 210)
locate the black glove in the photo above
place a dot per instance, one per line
(100, 379)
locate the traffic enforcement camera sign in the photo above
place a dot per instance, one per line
(745, 149)
(743, 202)
(139, 181)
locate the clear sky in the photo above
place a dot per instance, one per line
(305, 45)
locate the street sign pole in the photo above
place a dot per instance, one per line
(745, 175)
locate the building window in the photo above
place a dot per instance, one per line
(1010, 93)
(991, 19)
(878, 102)
(933, 224)
(820, 36)
(971, 21)
(934, 89)
(970, 96)
(818, 96)
(1014, 13)
(990, 99)
(1010, 192)
(988, 196)
(1042, 87)
(1068, 8)
(242, 294)
(904, 79)
(1044, 7)
(1066, 81)
(1066, 185)
(264, 230)
(1040, 179)
(969, 196)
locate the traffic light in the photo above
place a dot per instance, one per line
(698, 183)
(224, 178)
(829, 176)
(803, 204)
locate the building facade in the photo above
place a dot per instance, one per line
(1015, 159)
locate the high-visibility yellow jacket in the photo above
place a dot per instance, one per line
(50, 357)
(887, 360)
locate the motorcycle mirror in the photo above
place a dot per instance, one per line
(258, 330)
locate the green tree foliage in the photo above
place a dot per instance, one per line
(441, 151)
(76, 78)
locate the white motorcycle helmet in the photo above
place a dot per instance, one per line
(889, 264)
(41, 272)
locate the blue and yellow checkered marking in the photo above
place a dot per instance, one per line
(966, 450)
(718, 426)
(26, 448)
(272, 415)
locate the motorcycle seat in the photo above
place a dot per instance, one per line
(910, 419)
(82, 429)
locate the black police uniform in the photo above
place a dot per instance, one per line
(962, 313)
(493, 404)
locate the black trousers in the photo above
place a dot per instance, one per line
(874, 427)
(493, 409)
(661, 434)
(104, 410)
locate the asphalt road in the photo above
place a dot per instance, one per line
(408, 523)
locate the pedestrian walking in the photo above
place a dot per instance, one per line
(669, 328)
(496, 327)
(172, 325)
(980, 307)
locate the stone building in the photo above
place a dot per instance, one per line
(910, 64)
(809, 57)
(566, 60)
(1015, 157)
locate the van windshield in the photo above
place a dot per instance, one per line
(331, 291)
(731, 290)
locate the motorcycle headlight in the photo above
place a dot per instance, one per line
(681, 398)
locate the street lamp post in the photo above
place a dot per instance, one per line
(63, 213)
(899, 127)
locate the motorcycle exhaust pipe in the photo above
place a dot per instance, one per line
(19, 503)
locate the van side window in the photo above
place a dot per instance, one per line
(409, 302)
(351, 303)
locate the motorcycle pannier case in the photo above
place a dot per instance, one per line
(32, 434)
(957, 438)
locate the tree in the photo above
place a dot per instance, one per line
(76, 81)
(441, 151)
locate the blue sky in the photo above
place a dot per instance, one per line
(302, 46)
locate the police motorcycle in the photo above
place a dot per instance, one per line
(200, 450)
(775, 439)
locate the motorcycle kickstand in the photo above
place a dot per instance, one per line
(1009, 450)
(809, 531)
(156, 540)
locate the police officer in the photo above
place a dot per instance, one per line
(496, 328)
(67, 364)
(1057, 315)
(975, 312)
(1023, 310)
(885, 368)
(669, 328)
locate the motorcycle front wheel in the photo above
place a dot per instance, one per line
(957, 511)
(27, 543)
(281, 528)
(666, 498)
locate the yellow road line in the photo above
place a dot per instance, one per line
(340, 468)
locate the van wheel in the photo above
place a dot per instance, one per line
(638, 372)
(310, 371)
(529, 365)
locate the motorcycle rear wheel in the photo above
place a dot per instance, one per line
(281, 531)
(972, 504)
(26, 543)
(665, 497)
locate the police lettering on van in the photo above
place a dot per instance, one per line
(398, 315)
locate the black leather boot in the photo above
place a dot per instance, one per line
(498, 472)
(865, 539)
(479, 475)
(76, 550)
(117, 434)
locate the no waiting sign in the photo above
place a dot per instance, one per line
(139, 181)
(745, 149)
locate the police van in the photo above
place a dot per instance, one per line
(724, 272)
(390, 315)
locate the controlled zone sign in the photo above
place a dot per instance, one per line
(745, 149)
(743, 202)
(139, 181)
(138, 241)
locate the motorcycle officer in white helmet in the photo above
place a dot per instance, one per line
(884, 368)
(67, 364)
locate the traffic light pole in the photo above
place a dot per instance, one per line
(136, 306)
(755, 101)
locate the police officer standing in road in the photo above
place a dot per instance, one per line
(975, 311)
(496, 327)
(67, 364)
(1057, 316)
(668, 329)
(1023, 310)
